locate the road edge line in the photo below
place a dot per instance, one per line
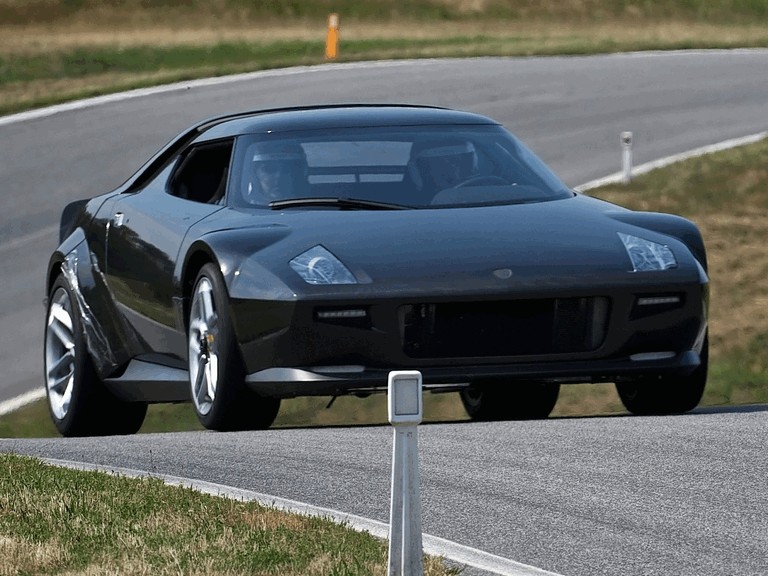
(21, 400)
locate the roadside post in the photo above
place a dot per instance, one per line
(332, 38)
(405, 411)
(626, 157)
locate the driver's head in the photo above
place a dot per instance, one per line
(279, 169)
(445, 164)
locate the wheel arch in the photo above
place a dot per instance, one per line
(198, 256)
(72, 243)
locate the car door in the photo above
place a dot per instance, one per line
(145, 233)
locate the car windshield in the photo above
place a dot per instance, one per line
(399, 167)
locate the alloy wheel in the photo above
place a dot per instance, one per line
(203, 353)
(60, 353)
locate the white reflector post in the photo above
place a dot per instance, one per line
(405, 547)
(626, 157)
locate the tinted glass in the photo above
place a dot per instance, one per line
(418, 167)
(202, 173)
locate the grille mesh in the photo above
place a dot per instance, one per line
(503, 328)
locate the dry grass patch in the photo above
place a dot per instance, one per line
(588, 399)
(19, 556)
(738, 267)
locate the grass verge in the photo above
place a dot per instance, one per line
(61, 521)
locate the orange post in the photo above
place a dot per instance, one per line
(332, 40)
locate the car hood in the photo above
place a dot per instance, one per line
(531, 247)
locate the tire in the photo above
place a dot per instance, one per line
(666, 394)
(491, 400)
(216, 372)
(78, 402)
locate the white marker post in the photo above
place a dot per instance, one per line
(405, 548)
(626, 156)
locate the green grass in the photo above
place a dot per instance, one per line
(82, 62)
(61, 521)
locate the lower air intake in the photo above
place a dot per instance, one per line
(504, 328)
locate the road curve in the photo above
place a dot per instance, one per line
(682, 495)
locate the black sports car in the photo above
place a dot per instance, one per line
(310, 251)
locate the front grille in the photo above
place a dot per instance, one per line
(503, 328)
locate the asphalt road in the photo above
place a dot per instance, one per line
(629, 496)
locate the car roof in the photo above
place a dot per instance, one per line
(334, 116)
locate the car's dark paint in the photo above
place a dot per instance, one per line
(139, 249)
(327, 117)
(141, 263)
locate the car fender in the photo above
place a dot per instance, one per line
(99, 321)
(230, 249)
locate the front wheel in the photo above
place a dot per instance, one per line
(666, 394)
(78, 402)
(216, 372)
(509, 400)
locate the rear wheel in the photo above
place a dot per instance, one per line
(491, 400)
(666, 394)
(216, 371)
(78, 402)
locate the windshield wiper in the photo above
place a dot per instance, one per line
(343, 203)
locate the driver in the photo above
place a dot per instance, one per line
(278, 171)
(443, 164)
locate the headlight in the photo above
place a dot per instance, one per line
(647, 255)
(318, 266)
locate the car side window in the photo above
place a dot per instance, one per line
(201, 173)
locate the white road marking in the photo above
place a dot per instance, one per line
(20, 401)
(432, 544)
